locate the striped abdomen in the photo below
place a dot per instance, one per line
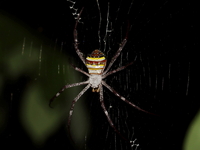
(96, 62)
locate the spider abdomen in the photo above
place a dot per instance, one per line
(96, 62)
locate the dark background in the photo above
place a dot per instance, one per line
(163, 79)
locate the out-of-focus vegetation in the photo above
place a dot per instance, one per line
(31, 72)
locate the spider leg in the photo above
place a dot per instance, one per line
(65, 87)
(116, 70)
(116, 55)
(80, 70)
(124, 99)
(106, 112)
(73, 104)
(80, 54)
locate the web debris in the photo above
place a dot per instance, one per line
(134, 144)
(75, 14)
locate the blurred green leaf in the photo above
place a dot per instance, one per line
(192, 137)
(27, 58)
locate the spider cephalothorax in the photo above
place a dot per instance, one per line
(96, 63)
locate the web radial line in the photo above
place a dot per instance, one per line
(107, 23)
(72, 106)
(116, 70)
(124, 99)
(80, 70)
(99, 24)
(116, 55)
(65, 87)
(80, 54)
(106, 113)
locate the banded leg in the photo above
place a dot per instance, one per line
(125, 100)
(65, 87)
(80, 54)
(80, 70)
(106, 112)
(73, 104)
(118, 69)
(116, 55)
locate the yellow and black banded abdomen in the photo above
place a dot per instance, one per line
(96, 62)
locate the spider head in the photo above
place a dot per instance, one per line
(95, 81)
(96, 62)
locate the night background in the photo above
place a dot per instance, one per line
(36, 53)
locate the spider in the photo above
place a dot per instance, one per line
(96, 63)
